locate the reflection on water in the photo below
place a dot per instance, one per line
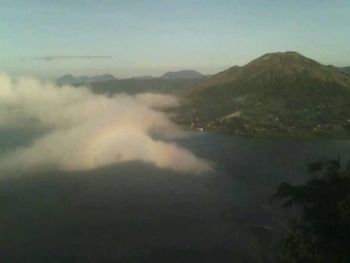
(137, 213)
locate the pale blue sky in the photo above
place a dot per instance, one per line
(154, 36)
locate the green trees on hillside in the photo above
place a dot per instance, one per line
(322, 231)
(279, 94)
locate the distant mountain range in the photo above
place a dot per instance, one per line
(182, 74)
(171, 75)
(70, 79)
(170, 82)
(141, 85)
(277, 94)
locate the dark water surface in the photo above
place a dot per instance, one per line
(137, 213)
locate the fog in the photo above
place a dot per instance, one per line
(80, 130)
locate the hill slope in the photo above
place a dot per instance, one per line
(182, 74)
(170, 83)
(345, 70)
(70, 79)
(140, 85)
(277, 94)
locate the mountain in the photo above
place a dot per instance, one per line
(108, 84)
(277, 94)
(345, 70)
(276, 65)
(70, 79)
(182, 74)
(101, 78)
(142, 85)
(143, 77)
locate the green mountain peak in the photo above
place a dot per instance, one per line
(277, 94)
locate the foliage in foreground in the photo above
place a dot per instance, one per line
(322, 231)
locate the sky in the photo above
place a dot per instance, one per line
(149, 37)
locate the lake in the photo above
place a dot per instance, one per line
(135, 212)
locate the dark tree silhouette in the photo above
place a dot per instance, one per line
(321, 232)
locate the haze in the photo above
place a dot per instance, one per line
(79, 130)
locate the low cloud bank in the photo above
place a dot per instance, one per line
(86, 131)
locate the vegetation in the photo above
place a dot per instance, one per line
(170, 83)
(282, 94)
(321, 234)
(135, 85)
(182, 74)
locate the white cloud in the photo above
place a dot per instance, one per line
(86, 131)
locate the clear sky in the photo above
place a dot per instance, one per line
(149, 37)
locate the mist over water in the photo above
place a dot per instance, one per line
(136, 212)
(79, 130)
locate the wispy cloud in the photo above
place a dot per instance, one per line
(52, 58)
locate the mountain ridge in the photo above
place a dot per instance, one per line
(70, 79)
(276, 94)
(182, 74)
(170, 75)
(283, 63)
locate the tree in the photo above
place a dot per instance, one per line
(321, 231)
